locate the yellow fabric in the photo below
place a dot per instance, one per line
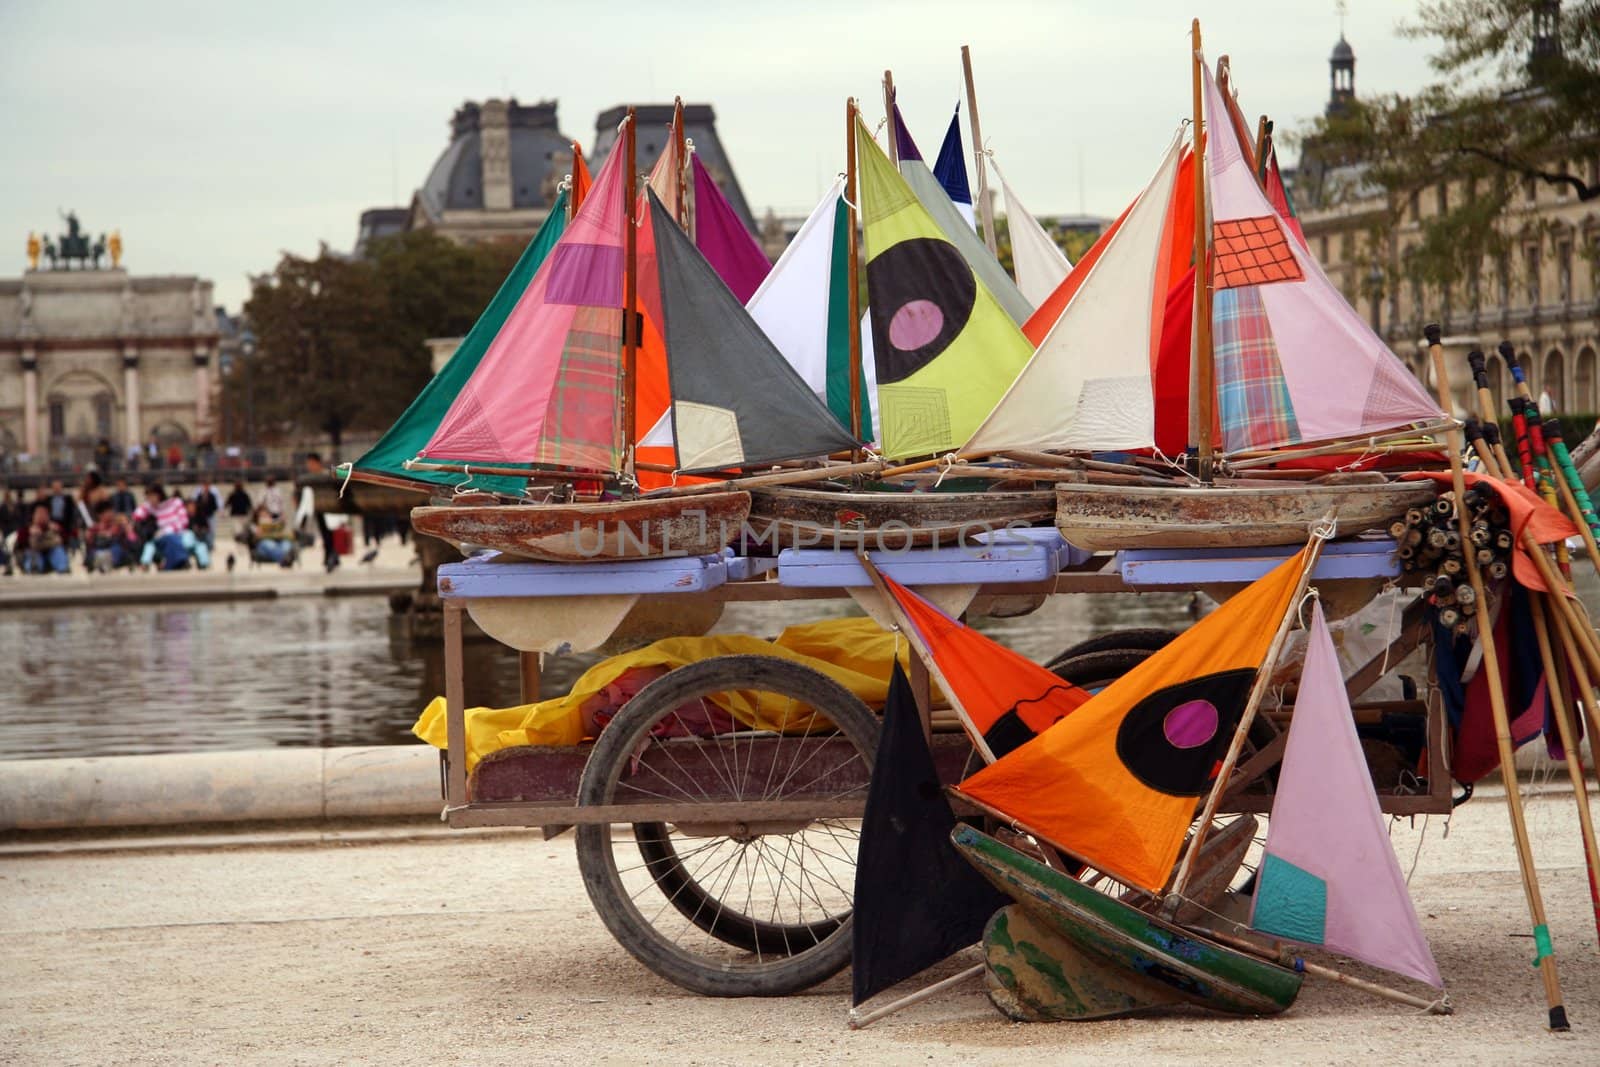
(853, 652)
(941, 404)
(1070, 785)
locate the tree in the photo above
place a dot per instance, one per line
(1515, 105)
(340, 339)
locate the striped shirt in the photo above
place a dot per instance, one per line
(171, 515)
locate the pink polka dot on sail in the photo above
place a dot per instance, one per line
(1191, 724)
(915, 324)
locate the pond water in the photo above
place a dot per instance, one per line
(326, 671)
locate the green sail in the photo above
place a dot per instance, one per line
(412, 431)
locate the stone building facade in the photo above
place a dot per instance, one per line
(96, 354)
(1544, 297)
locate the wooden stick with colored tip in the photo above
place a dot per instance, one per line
(1502, 724)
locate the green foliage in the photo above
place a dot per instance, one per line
(1494, 121)
(340, 339)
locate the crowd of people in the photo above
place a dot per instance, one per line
(108, 527)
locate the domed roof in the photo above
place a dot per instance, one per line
(540, 154)
(1342, 52)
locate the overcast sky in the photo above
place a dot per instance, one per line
(216, 135)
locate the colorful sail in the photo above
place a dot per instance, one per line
(582, 180)
(945, 349)
(413, 429)
(1089, 385)
(916, 900)
(1294, 361)
(546, 390)
(735, 401)
(1278, 196)
(1039, 263)
(804, 307)
(1328, 876)
(1008, 698)
(951, 170)
(937, 203)
(1116, 782)
(721, 236)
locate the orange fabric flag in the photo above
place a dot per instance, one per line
(1009, 698)
(1529, 513)
(1116, 782)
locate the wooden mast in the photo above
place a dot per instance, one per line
(1205, 385)
(1263, 146)
(852, 250)
(984, 209)
(678, 207)
(888, 112)
(630, 288)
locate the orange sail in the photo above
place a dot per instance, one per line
(1116, 782)
(1008, 698)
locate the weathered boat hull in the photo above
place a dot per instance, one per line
(1099, 517)
(648, 528)
(789, 517)
(1036, 975)
(1184, 965)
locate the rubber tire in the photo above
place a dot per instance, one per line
(611, 753)
(1149, 639)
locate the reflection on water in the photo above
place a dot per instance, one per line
(325, 671)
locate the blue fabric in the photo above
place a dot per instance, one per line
(1290, 902)
(951, 168)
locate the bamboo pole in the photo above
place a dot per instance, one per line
(1546, 960)
(1398, 442)
(888, 112)
(1586, 681)
(984, 210)
(1258, 692)
(1559, 477)
(853, 251)
(630, 289)
(1439, 1006)
(1556, 679)
(1486, 411)
(786, 477)
(859, 1019)
(1204, 371)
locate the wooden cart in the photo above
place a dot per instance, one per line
(723, 857)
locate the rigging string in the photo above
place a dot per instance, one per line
(946, 462)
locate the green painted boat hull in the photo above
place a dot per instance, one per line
(1036, 975)
(1184, 965)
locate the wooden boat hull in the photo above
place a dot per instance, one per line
(648, 528)
(1036, 975)
(1184, 965)
(1106, 518)
(789, 517)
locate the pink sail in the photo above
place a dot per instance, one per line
(1329, 876)
(721, 236)
(1294, 361)
(546, 391)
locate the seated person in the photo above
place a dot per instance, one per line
(171, 539)
(271, 541)
(41, 546)
(111, 542)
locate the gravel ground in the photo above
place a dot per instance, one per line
(484, 948)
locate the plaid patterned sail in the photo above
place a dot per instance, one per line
(1252, 397)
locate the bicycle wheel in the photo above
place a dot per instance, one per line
(730, 909)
